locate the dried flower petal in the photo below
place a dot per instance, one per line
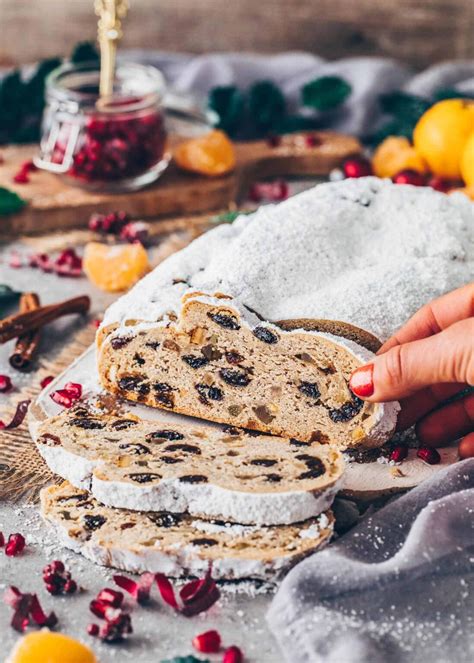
(18, 417)
(196, 596)
(38, 615)
(139, 590)
(166, 590)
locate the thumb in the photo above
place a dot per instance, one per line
(407, 368)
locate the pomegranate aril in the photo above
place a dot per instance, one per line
(312, 140)
(56, 566)
(110, 596)
(98, 608)
(2, 540)
(441, 184)
(357, 167)
(45, 381)
(409, 176)
(93, 630)
(15, 544)
(74, 389)
(399, 453)
(233, 655)
(62, 397)
(208, 642)
(429, 455)
(70, 587)
(5, 383)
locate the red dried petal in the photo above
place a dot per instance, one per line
(21, 618)
(45, 381)
(166, 590)
(38, 615)
(233, 655)
(18, 417)
(208, 642)
(5, 383)
(12, 596)
(139, 590)
(199, 595)
(2, 540)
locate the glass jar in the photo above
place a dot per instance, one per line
(113, 144)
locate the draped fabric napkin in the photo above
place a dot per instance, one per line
(397, 587)
(369, 77)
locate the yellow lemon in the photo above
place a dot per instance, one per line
(394, 154)
(48, 647)
(441, 135)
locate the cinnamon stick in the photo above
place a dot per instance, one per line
(21, 323)
(27, 344)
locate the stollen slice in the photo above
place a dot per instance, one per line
(214, 363)
(177, 545)
(207, 471)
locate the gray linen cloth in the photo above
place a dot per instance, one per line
(368, 76)
(398, 587)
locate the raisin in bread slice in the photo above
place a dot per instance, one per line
(177, 545)
(229, 473)
(218, 362)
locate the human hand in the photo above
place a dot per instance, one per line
(430, 359)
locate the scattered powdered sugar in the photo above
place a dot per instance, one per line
(362, 251)
(229, 529)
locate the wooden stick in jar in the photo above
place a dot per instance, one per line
(27, 344)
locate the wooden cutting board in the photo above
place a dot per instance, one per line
(54, 205)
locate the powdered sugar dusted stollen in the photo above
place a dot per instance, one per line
(363, 251)
(230, 475)
(213, 363)
(177, 545)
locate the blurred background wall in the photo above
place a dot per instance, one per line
(419, 32)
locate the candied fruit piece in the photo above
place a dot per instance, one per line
(50, 647)
(115, 268)
(211, 154)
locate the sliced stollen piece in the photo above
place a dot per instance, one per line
(209, 472)
(177, 545)
(219, 362)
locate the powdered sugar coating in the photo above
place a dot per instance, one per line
(362, 251)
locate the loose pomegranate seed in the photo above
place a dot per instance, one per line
(15, 544)
(63, 397)
(93, 629)
(56, 566)
(110, 596)
(137, 231)
(2, 540)
(208, 642)
(99, 608)
(441, 184)
(45, 381)
(429, 455)
(5, 383)
(70, 586)
(74, 389)
(399, 453)
(409, 176)
(233, 655)
(357, 167)
(269, 191)
(117, 626)
(312, 140)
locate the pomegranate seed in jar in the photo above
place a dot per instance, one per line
(429, 455)
(233, 655)
(208, 642)
(15, 544)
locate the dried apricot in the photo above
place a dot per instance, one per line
(211, 154)
(115, 268)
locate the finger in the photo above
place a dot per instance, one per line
(432, 318)
(448, 423)
(420, 404)
(466, 447)
(408, 368)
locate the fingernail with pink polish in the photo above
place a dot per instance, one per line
(362, 381)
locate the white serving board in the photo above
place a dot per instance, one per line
(364, 481)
